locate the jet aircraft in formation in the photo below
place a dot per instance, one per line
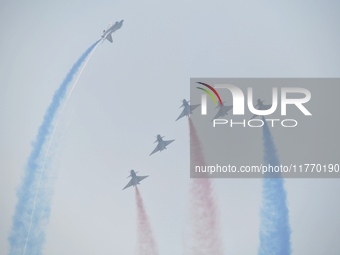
(222, 110)
(261, 106)
(161, 144)
(107, 34)
(135, 179)
(187, 109)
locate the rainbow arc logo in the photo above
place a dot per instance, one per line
(209, 92)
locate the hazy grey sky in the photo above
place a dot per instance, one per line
(130, 91)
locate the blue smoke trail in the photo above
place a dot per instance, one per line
(274, 226)
(28, 234)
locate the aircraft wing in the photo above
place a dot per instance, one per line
(139, 178)
(266, 107)
(109, 37)
(218, 114)
(263, 107)
(254, 116)
(223, 111)
(168, 142)
(128, 185)
(228, 107)
(193, 107)
(158, 148)
(181, 115)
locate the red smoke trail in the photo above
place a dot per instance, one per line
(146, 243)
(203, 212)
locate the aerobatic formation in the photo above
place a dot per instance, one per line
(32, 210)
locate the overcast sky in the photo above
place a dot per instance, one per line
(130, 91)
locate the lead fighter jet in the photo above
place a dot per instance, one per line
(161, 144)
(222, 110)
(134, 179)
(111, 28)
(261, 106)
(187, 109)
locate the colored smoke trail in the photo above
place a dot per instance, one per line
(34, 195)
(146, 243)
(274, 226)
(203, 211)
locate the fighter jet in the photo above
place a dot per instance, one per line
(187, 109)
(134, 179)
(261, 106)
(161, 144)
(222, 110)
(110, 29)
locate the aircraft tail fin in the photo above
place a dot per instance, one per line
(109, 38)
